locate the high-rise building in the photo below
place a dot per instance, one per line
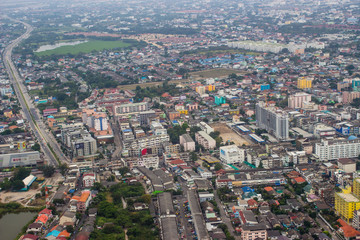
(201, 90)
(220, 100)
(131, 108)
(297, 100)
(304, 83)
(272, 120)
(232, 154)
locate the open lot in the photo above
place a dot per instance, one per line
(86, 47)
(227, 134)
(214, 73)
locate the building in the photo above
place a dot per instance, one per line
(297, 100)
(19, 159)
(219, 100)
(200, 90)
(187, 142)
(322, 130)
(149, 161)
(84, 201)
(304, 83)
(346, 203)
(96, 120)
(88, 180)
(232, 154)
(273, 120)
(205, 127)
(336, 149)
(131, 108)
(252, 232)
(205, 140)
(348, 97)
(347, 165)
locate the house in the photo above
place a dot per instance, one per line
(34, 228)
(68, 218)
(252, 204)
(253, 232)
(140, 206)
(293, 234)
(323, 236)
(293, 203)
(92, 212)
(88, 180)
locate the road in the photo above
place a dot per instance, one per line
(52, 152)
(223, 215)
(117, 139)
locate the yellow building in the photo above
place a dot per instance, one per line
(210, 88)
(183, 112)
(304, 83)
(346, 203)
(356, 187)
(201, 90)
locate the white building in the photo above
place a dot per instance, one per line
(149, 161)
(322, 130)
(336, 149)
(205, 127)
(232, 154)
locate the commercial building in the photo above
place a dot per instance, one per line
(232, 154)
(273, 120)
(303, 83)
(322, 130)
(187, 142)
(19, 159)
(336, 149)
(205, 140)
(88, 180)
(200, 90)
(297, 100)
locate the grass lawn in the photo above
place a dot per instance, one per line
(87, 47)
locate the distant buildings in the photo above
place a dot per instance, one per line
(273, 120)
(347, 201)
(232, 154)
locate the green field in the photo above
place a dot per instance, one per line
(87, 47)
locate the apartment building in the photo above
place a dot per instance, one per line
(205, 140)
(273, 120)
(131, 108)
(187, 142)
(297, 100)
(336, 149)
(252, 232)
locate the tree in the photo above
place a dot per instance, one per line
(63, 167)
(21, 173)
(18, 184)
(69, 228)
(193, 156)
(48, 170)
(36, 147)
(218, 166)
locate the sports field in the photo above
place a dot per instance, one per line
(86, 47)
(227, 134)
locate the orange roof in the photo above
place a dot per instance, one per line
(348, 230)
(76, 198)
(42, 218)
(84, 196)
(268, 189)
(13, 127)
(64, 234)
(300, 180)
(54, 228)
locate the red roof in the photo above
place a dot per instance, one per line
(268, 189)
(300, 180)
(177, 162)
(50, 110)
(348, 230)
(45, 211)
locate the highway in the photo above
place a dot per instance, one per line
(52, 152)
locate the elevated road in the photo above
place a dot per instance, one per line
(49, 146)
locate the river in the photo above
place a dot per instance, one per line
(52, 47)
(12, 223)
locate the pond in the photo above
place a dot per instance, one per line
(12, 223)
(54, 46)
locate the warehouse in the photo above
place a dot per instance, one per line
(19, 159)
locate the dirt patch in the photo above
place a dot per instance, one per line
(214, 73)
(227, 134)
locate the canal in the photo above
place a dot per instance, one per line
(12, 223)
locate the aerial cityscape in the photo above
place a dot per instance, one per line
(166, 120)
